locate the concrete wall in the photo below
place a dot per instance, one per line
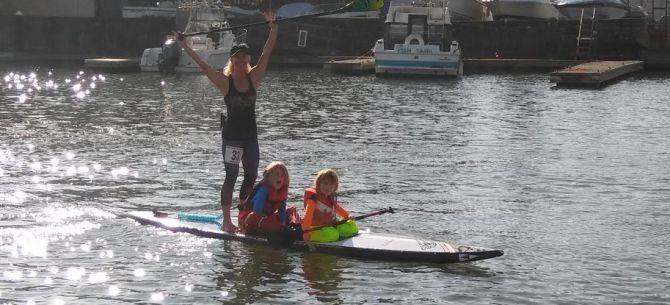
(60, 8)
(108, 9)
(81, 36)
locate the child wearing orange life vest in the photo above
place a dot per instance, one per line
(322, 208)
(264, 211)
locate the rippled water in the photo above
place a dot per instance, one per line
(573, 184)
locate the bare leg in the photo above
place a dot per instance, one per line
(232, 171)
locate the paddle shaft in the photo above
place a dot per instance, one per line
(384, 211)
(331, 12)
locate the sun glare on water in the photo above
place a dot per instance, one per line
(28, 87)
(54, 203)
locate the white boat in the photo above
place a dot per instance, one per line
(604, 9)
(213, 48)
(418, 40)
(522, 9)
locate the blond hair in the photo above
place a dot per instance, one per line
(270, 168)
(327, 174)
(228, 70)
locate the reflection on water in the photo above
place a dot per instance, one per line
(323, 276)
(571, 184)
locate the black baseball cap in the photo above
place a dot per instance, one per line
(242, 47)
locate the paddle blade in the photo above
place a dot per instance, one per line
(199, 217)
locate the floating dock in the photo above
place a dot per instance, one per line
(366, 65)
(500, 63)
(353, 66)
(113, 64)
(595, 73)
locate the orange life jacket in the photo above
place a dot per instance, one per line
(325, 211)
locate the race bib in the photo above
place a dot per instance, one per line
(233, 154)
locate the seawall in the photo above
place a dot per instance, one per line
(70, 37)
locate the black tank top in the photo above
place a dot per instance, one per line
(241, 110)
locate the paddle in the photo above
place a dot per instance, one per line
(215, 219)
(285, 238)
(354, 6)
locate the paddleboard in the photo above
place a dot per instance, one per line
(366, 244)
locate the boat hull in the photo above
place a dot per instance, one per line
(416, 60)
(523, 9)
(151, 57)
(602, 13)
(365, 245)
(604, 9)
(466, 10)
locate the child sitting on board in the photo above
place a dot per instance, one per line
(322, 211)
(264, 211)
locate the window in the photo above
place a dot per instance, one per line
(302, 38)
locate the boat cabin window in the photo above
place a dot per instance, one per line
(395, 33)
(417, 25)
(302, 38)
(439, 35)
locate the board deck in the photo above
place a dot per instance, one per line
(366, 244)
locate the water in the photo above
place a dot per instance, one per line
(571, 184)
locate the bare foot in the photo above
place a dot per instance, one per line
(230, 228)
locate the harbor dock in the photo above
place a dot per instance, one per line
(353, 66)
(494, 63)
(595, 73)
(366, 65)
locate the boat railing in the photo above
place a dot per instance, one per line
(188, 4)
(422, 3)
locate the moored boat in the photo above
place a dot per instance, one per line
(418, 40)
(213, 48)
(308, 39)
(459, 10)
(365, 245)
(467, 10)
(522, 9)
(603, 9)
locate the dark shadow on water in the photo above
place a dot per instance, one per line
(252, 273)
(462, 269)
(320, 266)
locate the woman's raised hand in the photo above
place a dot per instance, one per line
(179, 37)
(270, 18)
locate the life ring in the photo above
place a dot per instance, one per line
(412, 37)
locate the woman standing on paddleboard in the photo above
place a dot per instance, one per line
(238, 83)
